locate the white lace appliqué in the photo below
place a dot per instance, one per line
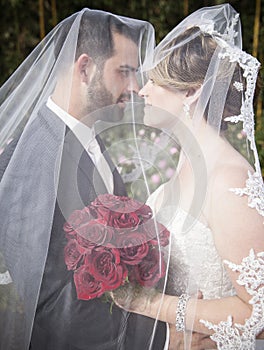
(254, 186)
(5, 278)
(254, 190)
(229, 336)
(229, 34)
(250, 66)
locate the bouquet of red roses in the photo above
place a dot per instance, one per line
(112, 241)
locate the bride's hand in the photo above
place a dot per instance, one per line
(147, 302)
(137, 299)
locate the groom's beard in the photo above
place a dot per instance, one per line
(101, 104)
(98, 96)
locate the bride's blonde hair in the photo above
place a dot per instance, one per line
(186, 65)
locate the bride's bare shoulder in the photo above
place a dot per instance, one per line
(226, 208)
(231, 170)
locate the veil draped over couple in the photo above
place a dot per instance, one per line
(96, 254)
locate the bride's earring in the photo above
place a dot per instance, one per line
(186, 109)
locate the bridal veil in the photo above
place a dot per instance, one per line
(202, 59)
(31, 153)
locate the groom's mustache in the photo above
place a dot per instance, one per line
(124, 98)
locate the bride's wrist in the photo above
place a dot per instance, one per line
(178, 311)
(180, 319)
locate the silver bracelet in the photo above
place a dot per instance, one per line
(180, 312)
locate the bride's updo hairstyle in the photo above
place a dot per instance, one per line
(187, 65)
(203, 56)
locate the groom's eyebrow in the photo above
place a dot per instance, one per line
(126, 66)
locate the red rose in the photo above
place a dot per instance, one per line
(156, 233)
(133, 247)
(104, 264)
(111, 240)
(151, 269)
(121, 212)
(95, 232)
(73, 254)
(76, 219)
(103, 204)
(123, 220)
(130, 205)
(144, 212)
(119, 204)
(107, 201)
(87, 287)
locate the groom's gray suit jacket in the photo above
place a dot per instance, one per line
(61, 320)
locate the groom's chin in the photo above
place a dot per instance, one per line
(113, 113)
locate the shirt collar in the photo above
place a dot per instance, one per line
(84, 134)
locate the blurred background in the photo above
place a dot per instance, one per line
(23, 23)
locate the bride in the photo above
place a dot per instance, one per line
(201, 88)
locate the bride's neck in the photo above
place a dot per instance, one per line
(202, 143)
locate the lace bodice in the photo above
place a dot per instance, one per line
(195, 260)
(194, 263)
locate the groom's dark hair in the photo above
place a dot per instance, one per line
(96, 31)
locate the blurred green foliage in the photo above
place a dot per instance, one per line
(20, 28)
(20, 33)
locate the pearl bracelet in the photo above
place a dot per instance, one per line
(180, 312)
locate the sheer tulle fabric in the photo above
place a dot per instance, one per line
(203, 55)
(37, 167)
(39, 189)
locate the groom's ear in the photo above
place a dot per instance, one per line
(85, 68)
(192, 95)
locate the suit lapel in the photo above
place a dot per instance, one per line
(87, 174)
(79, 176)
(119, 187)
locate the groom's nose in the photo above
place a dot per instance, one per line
(133, 85)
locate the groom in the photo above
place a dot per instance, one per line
(103, 74)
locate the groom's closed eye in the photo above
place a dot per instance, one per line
(127, 71)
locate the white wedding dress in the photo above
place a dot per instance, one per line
(195, 265)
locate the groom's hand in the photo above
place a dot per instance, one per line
(199, 341)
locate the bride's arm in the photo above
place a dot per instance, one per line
(237, 229)
(163, 307)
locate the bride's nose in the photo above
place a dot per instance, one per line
(143, 92)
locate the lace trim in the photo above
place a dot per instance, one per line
(250, 65)
(230, 336)
(254, 190)
(254, 186)
(5, 278)
(230, 33)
